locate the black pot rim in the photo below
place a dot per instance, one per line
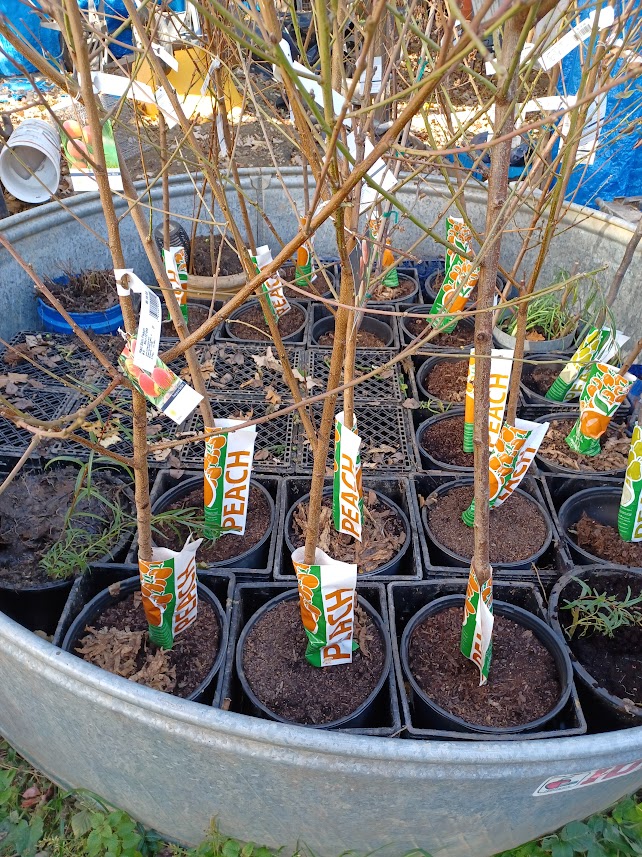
(334, 724)
(316, 332)
(612, 491)
(500, 608)
(250, 305)
(430, 363)
(580, 670)
(187, 485)
(403, 275)
(456, 411)
(545, 357)
(465, 561)
(417, 310)
(131, 584)
(553, 466)
(367, 575)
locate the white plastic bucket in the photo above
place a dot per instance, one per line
(30, 161)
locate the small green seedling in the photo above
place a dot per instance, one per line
(599, 613)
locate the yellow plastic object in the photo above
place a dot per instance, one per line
(193, 65)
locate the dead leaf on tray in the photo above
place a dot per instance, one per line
(107, 434)
(272, 396)
(23, 404)
(268, 361)
(308, 380)
(411, 404)
(119, 652)
(375, 450)
(17, 377)
(261, 455)
(162, 454)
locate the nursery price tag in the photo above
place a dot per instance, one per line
(149, 323)
(575, 37)
(227, 472)
(347, 494)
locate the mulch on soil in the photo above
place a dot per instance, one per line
(606, 542)
(460, 337)
(443, 440)
(615, 445)
(523, 683)
(365, 339)
(89, 291)
(540, 379)
(204, 247)
(517, 529)
(278, 673)
(446, 381)
(251, 323)
(119, 643)
(385, 293)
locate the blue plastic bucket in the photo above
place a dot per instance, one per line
(106, 321)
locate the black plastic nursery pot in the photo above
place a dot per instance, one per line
(390, 492)
(431, 460)
(545, 564)
(430, 712)
(533, 387)
(393, 492)
(369, 324)
(604, 710)
(378, 715)
(237, 331)
(422, 379)
(259, 557)
(550, 466)
(90, 614)
(460, 339)
(406, 276)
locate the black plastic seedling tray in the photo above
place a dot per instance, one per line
(383, 388)
(406, 599)
(250, 597)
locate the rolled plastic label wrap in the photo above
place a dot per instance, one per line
(602, 395)
(501, 365)
(501, 465)
(327, 592)
(597, 345)
(176, 269)
(303, 272)
(227, 472)
(477, 627)
(347, 493)
(170, 595)
(273, 287)
(629, 519)
(525, 456)
(460, 278)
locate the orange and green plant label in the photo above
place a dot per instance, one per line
(176, 269)
(476, 641)
(597, 346)
(629, 519)
(460, 277)
(603, 393)
(227, 470)
(303, 272)
(327, 593)
(272, 288)
(501, 366)
(469, 404)
(170, 596)
(347, 493)
(525, 456)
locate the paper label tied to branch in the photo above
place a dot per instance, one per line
(149, 323)
(347, 494)
(176, 268)
(477, 627)
(227, 474)
(575, 37)
(273, 286)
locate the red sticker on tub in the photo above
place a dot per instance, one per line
(567, 782)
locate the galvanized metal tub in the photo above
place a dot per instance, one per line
(177, 766)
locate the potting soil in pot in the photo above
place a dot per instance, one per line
(615, 445)
(461, 336)
(517, 529)
(523, 683)
(365, 339)
(119, 643)
(251, 324)
(197, 314)
(32, 526)
(173, 535)
(278, 673)
(443, 440)
(383, 534)
(201, 257)
(396, 293)
(90, 291)
(540, 379)
(447, 380)
(615, 662)
(606, 542)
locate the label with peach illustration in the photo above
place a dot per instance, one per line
(165, 390)
(273, 287)
(460, 277)
(501, 366)
(176, 269)
(597, 346)
(227, 470)
(347, 494)
(603, 393)
(303, 275)
(78, 148)
(327, 592)
(536, 433)
(169, 591)
(629, 519)
(477, 627)
(469, 404)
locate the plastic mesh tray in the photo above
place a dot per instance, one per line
(385, 444)
(381, 388)
(43, 405)
(273, 448)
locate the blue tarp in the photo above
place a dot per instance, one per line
(27, 24)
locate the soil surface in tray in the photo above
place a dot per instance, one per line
(278, 673)
(615, 445)
(461, 336)
(201, 258)
(606, 542)
(443, 440)
(173, 535)
(540, 379)
(246, 324)
(197, 314)
(523, 683)
(614, 662)
(397, 293)
(446, 381)
(90, 291)
(365, 339)
(119, 643)
(32, 519)
(383, 534)
(517, 529)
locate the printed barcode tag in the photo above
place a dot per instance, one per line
(575, 37)
(149, 325)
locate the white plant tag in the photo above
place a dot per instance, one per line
(273, 287)
(575, 37)
(149, 323)
(165, 56)
(347, 494)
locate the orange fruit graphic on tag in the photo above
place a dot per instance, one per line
(593, 424)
